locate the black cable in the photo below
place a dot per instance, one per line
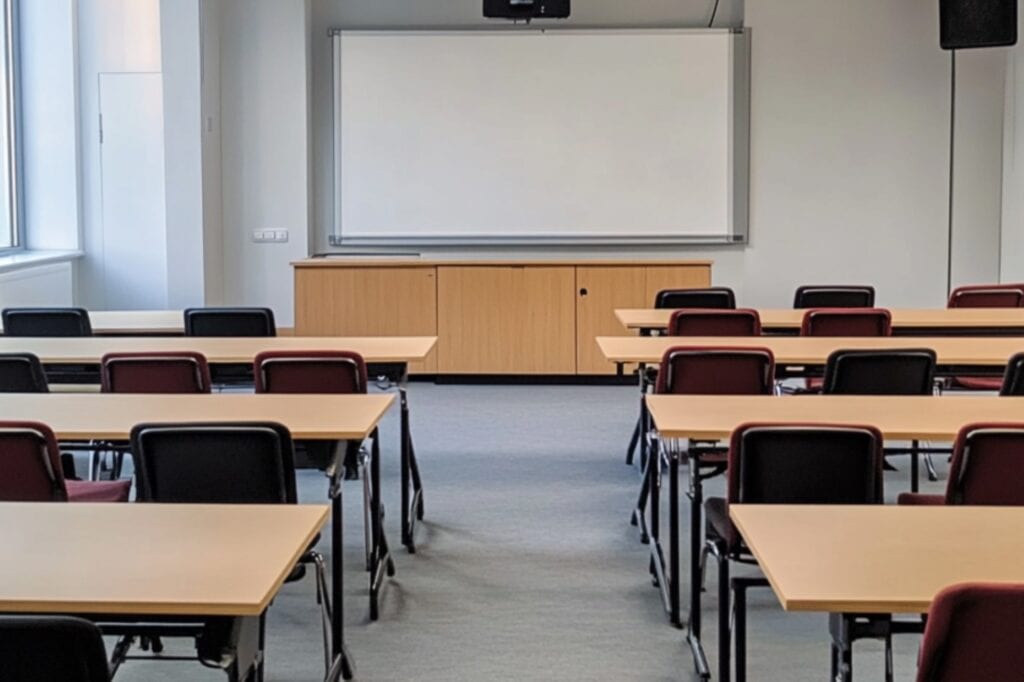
(714, 13)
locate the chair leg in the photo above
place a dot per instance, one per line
(888, 658)
(724, 614)
(933, 475)
(634, 440)
(367, 526)
(324, 599)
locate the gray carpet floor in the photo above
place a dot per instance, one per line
(528, 568)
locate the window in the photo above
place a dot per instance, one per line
(10, 234)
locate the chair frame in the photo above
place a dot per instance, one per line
(725, 292)
(804, 290)
(35, 370)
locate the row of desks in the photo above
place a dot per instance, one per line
(208, 559)
(909, 321)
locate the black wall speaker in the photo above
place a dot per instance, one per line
(977, 23)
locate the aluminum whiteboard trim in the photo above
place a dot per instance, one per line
(739, 152)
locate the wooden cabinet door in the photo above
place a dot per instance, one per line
(399, 301)
(674, 277)
(599, 291)
(506, 319)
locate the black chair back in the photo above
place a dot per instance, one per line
(888, 372)
(834, 297)
(46, 322)
(22, 373)
(782, 464)
(230, 322)
(35, 648)
(1013, 378)
(222, 463)
(712, 297)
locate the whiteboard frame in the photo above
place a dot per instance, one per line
(739, 153)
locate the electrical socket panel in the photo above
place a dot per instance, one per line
(265, 236)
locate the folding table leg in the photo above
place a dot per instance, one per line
(382, 562)
(696, 495)
(842, 651)
(343, 665)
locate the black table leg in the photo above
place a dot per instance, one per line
(343, 665)
(382, 564)
(839, 625)
(696, 495)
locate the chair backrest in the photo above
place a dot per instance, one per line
(1013, 377)
(30, 468)
(987, 296)
(22, 373)
(908, 371)
(710, 297)
(690, 370)
(805, 464)
(706, 322)
(310, 372)
(230, 322)
(987, 466)
(974, 632)
(846, 322)
(165, 372)
(46, 322)
(34, 648)
(829, 296)
(215, 463)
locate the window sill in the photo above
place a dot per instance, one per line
(32, 259)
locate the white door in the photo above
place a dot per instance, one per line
(132, 171)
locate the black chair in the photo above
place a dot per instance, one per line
(225, 463)
(889, 372)
(22, 373)
(255, 322)
(35, 648)
(711, 297)
(46, 322)
(785, 464)
(1013, 378)
(53, 322)
(834, 297)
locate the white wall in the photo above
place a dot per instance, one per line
(113, 36)
(180, 46)
(264, 147)
(41, 285)
(1012, 262)
(213, 206)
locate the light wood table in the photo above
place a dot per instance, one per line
(855, 561)
(218, 350)
(955, 355)
(313, 417)
(905, 321)
(207, 563)
(679, 418)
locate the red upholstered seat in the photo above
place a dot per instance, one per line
(716, 370)
(30, 469)
(974, 633)
(707, 322)
(846, 322)
(164, 372)
(310, 372)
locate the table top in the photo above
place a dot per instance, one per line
(218, 349)
(879, 559)
(343, 261)
(163, 559)
(908, 318)
(897, 417)
(814, 350)
(111, 416)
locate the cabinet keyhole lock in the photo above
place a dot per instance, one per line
(583, 292)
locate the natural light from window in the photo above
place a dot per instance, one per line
(8, 202)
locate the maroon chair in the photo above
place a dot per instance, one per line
(694, 370)
(846, 322)
(321, 372)
(785, 464)
(163, 372)
(706, 322)
(31, 469)
(987, 468)
(984, 296)
(974, 632)
(987, 296)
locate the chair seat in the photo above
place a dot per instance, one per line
(98, 491)
(976, 383)
(718, 524)
(920, 499)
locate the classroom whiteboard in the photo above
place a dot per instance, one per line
(531, 136)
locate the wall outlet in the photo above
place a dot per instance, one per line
(264, 236)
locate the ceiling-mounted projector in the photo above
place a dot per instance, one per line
(526, 9)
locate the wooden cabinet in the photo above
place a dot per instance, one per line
(506, 320)
(490, 316)
(368, 302)
(602, 289)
